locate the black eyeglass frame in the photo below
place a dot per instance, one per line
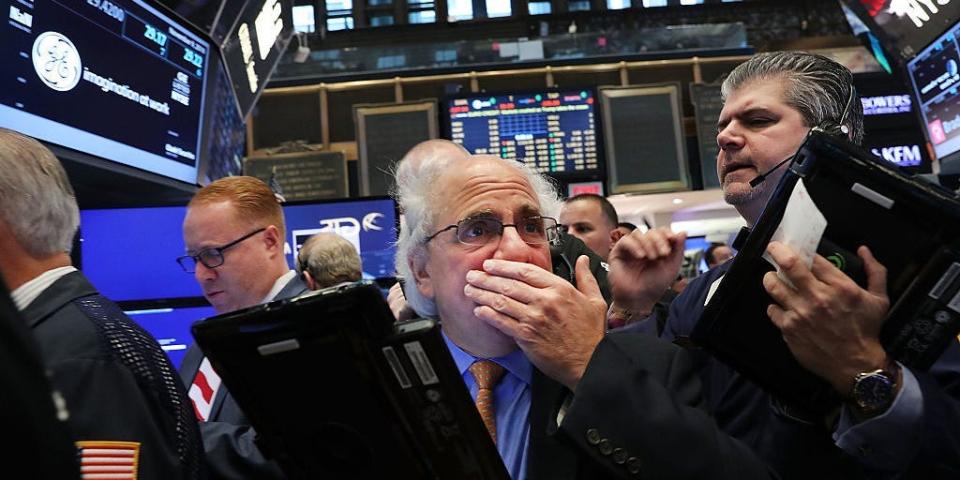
(546, 230)
(197, 258)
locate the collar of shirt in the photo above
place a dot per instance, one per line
(278, 285)
(25, 294)
(514, 362)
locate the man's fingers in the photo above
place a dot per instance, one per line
(586, 282)
(496, 301)
(792, 266)
(779, 291)
(529, 274)
(516, 289)
(507, 325)
(876, 272)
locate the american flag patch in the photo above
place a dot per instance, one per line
(108, 460)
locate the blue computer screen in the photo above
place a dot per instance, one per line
(130, 253)
(171, 327)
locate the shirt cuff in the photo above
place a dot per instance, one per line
(887, 442)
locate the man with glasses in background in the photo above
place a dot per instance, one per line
(234, 236)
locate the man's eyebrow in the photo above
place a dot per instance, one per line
(485, 213)
(529, 211)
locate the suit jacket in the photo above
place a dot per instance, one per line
(44, 445)
(228, 439)
(117, 382)
(636, 414)
(797, 446)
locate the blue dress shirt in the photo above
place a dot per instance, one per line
(511, 400)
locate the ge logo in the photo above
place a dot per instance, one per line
(56, 61)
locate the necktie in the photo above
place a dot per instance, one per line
(487, 373)
(203, 389)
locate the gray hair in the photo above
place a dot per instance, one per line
(819, 88)
(330, 259)
(36, 199)
(417, 196)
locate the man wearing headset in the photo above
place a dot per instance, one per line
(908, 425)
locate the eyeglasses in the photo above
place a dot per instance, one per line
(211, 257)
(482, 230)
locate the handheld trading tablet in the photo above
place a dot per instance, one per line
(912, 228)
(336, 389)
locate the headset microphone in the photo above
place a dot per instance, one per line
(763, 176)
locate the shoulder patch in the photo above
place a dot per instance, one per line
(107, 459)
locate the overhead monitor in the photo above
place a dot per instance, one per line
(254, 45)
(554, 131)
(120, 80)
(130, 254)
(909, 26)
(935, 79)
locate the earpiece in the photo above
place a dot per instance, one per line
(832, 127)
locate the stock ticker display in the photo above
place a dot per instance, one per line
(81, 73)
(554, 132)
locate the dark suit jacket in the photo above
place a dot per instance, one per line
(793, 445)
(117, 382)
(228, 438)
(636, 414)
(44, 446)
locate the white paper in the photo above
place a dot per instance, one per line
(801, 228)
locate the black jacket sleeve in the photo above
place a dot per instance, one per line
(637, 412)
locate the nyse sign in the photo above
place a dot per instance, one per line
(918, 11)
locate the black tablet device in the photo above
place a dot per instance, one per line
(336, 389)
(912, 227)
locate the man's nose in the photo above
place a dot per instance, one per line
(730, 137)
(511, 246)
(202, 273)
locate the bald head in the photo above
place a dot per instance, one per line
(437, 147)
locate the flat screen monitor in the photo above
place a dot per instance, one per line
(259, 36)
(121, 80)
(909, 26)
(553, 131)
(129, 253)
(935, 78)
(171, 326)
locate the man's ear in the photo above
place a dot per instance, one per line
(272, 238)
(615, 236)
(417, 261)
(308, 279)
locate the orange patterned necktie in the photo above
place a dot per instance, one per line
(487, 373)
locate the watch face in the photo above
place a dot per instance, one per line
(873, 391)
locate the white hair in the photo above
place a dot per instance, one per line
(36, 199)
(416, 193)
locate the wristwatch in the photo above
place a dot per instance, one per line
(874, 391)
